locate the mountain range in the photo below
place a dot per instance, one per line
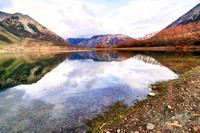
(182, 32)
(108, 39)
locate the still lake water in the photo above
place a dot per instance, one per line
(42, 92)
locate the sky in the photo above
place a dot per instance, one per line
(85, 18)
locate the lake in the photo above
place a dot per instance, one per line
(59, 91)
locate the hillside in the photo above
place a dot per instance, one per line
(7, 37)
(19, 29)
(99, 39)
(182, 33)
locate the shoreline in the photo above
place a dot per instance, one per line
(68, 49)
(175, 108)
(189, 48)
(44, 51)
(17, 49)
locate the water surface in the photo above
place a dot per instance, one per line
(58, 92)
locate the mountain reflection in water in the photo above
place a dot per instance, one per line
(77, 89)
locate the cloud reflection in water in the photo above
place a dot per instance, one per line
(73, 77)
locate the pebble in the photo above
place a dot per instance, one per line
(169, 107)
(154, 87)
(150, 126)
(158, 132)
(152, 94)
(195, 129)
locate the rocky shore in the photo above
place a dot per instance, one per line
(174, 108)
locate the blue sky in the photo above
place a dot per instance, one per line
(115, 2)
(111, 4)
(5, 4)
(77, 18)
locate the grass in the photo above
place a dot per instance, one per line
(5, 39)
(112, 115)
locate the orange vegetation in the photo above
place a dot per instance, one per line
(182, 36)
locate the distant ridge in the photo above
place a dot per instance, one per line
(108, 39)
(76, 41)
(191, 16)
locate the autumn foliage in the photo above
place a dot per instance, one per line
(178, 36)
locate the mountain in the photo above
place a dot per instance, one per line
(76, 41)
(182, 33)
(22, 29)
(108, 39)
(191, 16)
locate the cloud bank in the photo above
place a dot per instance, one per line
(75, 18)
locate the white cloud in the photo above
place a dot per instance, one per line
(73, 18)
(140, 17)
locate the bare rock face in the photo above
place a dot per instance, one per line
(192, 16)
(99, 39)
